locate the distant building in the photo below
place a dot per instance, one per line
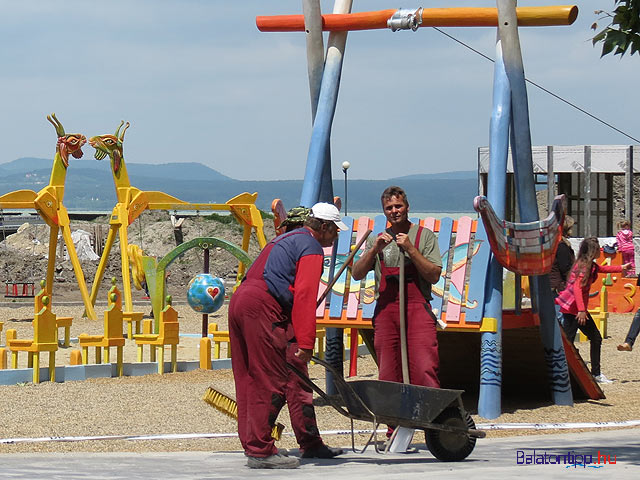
(597, 180)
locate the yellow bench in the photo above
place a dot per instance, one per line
(112, 333)
(169, 334)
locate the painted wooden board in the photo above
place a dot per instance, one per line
(478, 276)
(342, 252)
(458, 269)
(444, 240)
(354, 286)
(379, 224)
(429, 223)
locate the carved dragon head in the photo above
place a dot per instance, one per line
(68, 143)
(110, 145)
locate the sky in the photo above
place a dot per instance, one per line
(199, 82)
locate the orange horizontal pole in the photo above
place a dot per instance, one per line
(431, 17)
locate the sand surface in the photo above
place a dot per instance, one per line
(171, 403)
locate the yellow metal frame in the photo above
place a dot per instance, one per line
(48, 203)
(132, 202)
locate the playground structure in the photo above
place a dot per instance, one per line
(132, 202)
(48, 203)
(509, 122)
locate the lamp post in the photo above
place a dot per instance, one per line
(345, 167)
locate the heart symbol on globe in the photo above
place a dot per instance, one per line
(213, 292)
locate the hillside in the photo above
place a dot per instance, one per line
(89, 186)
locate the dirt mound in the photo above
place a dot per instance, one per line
(23, 255)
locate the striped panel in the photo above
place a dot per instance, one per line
(379, 224)
(444, 240)
(429, 223)
(354, 287)
(342, 252)
(324, 282)
(459, 268)
(478, 276)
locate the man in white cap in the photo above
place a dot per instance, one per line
(276, 302)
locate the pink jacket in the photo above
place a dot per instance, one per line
(625, 240)
(575, 298)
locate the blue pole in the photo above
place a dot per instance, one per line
(557, 370)
(489, 400)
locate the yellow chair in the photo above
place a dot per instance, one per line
(45, 339)
(219, 337)
(112, 333)
(61, 322)
(169, 334)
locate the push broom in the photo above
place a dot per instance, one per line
(228, 405)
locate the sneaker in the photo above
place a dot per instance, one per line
(323, 451)
(602, 379)
(273, 461)
(625, 347)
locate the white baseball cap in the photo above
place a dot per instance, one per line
(327, 211)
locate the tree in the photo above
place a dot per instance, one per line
(622, 33)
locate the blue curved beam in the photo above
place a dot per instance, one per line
(489, 400)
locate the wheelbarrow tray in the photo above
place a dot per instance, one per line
(411, 406)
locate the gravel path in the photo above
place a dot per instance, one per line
(171, 403)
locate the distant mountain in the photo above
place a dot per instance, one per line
(89, 186)
(178, 171)
(458, 175)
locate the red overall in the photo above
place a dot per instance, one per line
(422, 343)
(260, 333)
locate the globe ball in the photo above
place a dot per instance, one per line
(205, 293)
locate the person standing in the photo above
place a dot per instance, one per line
(562, 263)
(299, 395)
(624, 239)
(275, 302)
(574, 298)
(417, 247)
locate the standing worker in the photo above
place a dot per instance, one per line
(417, 247)
(276, 302)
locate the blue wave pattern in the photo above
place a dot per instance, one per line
(491, 367)
(558, 369)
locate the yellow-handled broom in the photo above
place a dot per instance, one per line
(227, 405)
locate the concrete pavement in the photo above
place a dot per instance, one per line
(493, 459)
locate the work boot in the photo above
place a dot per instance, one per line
(273, 461)
(322, 451)
(625, 347)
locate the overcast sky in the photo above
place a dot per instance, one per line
(199, 82)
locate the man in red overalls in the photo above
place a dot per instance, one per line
(274, 305)
(418, 248)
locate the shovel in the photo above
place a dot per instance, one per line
(402, 436)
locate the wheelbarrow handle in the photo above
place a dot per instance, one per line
(343, 388)
(317, 389)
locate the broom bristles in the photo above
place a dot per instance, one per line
(227, 405)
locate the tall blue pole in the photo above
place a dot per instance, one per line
(558, 372)
(317, 184)
(489, 400)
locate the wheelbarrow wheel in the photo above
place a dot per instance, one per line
(450, 446)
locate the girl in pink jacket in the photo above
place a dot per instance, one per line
(574, 298)
(624, 239)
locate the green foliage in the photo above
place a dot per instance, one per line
(622, 33)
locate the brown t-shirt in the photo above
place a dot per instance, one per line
(391, 253)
